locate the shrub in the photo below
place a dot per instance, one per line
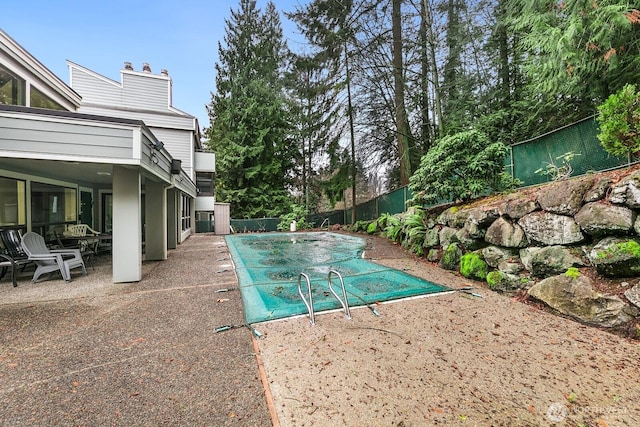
(394, 228)
(460, 167)
(298, 214)
(619, 121)
(372, 227)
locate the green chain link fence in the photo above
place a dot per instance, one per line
(522, 161)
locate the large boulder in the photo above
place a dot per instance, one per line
(616, 257)
(565, 197)
(552, 260)
(633, 295)
(598, 191)
(627, 191)
(515, 207)
(453, 217)
(447, 235)
(526, 254)
(599, 219)
(506, 282)
(467, 240)
(505, 233)
(550, 229)
(493, 255)
(482, 217)
(575, 297)
(431, 238)
(450, 259)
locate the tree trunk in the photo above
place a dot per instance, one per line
(402, 128)
(352, 134)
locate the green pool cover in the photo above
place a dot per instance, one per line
(268, 266)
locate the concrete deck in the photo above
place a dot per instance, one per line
(90, 352)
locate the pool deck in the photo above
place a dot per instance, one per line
(94, 353)
(90, 353)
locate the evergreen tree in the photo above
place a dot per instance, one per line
(578, 52)
(249, 126)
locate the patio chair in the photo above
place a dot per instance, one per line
(83, 230)
(12, 256)
(50, 260)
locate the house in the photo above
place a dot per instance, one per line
(64, 161)
(146, 96)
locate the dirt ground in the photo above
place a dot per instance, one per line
(452, 359)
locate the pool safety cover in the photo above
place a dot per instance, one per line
(269, 267)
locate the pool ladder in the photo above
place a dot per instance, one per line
(344, 302)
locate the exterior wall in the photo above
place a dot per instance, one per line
(29, 136)
(146, 91)
(141, 96)
(205, 161)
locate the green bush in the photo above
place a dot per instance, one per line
(619, 121)
(394, 228)
(460, 167)
(372, 227)
(298, 214)
(472, 266)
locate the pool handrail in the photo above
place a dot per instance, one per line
(344, 303)
(308, 303)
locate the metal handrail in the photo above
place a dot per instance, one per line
(345, 302)
(327, 221)
(309, 303)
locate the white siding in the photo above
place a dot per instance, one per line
(146, 92)
(33, 137)
(95, 89)
(178, 144)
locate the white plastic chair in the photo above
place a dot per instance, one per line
(49, 260)
(83, 230)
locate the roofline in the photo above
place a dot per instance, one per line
(39, 69)
(71, 115)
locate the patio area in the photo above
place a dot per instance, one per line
(90, 352)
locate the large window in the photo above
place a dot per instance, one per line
(52, 207)
(12, 202)
(204, 183)
(40, 100)
(12, 88)
(186, 213)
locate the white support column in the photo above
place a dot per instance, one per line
(127, 225)
(155, 221)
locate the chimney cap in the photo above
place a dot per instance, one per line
(128, 66)
(164, 72)
(146, 67)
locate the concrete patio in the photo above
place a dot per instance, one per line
(90, 352)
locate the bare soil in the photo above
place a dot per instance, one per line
(452, 359)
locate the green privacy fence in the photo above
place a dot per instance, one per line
(522, 161)
(579, 138)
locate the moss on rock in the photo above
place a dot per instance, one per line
(472, 266)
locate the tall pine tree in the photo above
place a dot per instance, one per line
(249, 115)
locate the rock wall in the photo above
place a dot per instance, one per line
(540, 239)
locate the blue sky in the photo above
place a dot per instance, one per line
(180, 36)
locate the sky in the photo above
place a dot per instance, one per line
(180, 36)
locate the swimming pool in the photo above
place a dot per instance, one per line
(268, 266)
